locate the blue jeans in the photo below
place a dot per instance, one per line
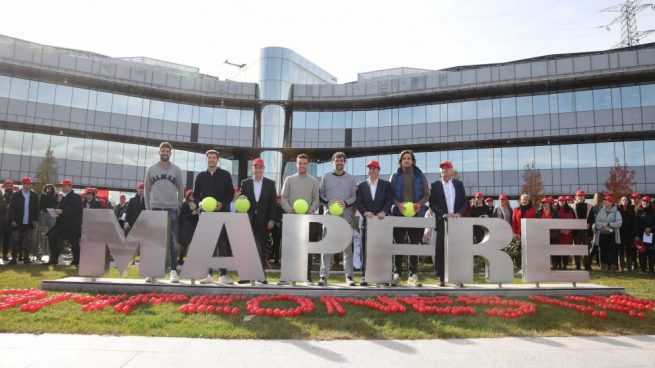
(172, 241)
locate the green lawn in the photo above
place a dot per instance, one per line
(358, 323)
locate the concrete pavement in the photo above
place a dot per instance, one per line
(91, 351)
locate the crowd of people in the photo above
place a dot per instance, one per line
(618, 237)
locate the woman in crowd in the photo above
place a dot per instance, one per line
(479, 209)
(546, 211)
(187, 220)
(607, 234)
(524, 210)
(643, 225)
(503, 211)
(627, 252)
(564, 211)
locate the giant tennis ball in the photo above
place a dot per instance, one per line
(209, 204)
(409, 209)
(300, 206)
(335, 208)
(242, 204)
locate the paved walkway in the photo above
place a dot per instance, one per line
(53, 350)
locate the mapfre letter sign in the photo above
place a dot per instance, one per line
(149, 235)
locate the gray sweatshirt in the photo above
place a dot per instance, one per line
(163, 186)
(341, 187)
(300, 187)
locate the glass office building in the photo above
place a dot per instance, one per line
(572, 115)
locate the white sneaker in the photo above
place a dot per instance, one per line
(207, 280)
(395, 279)
(174, 279)
(150, 280)
(350, 281)
(225, 280)
(413, 280)
(309, 282)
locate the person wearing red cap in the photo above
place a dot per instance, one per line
(134, 207)
(564, 211)
(373, 200)
(582, 211)
(90, 200)
(607, 233)
(119, 210)
(22, 216)
(261, 193)
(503, 211)
(68, 224)
(644, 223)
(480, 209)
(547, 211)
(408, 184)
(188, 220)
(217, 183)
(447, 200)
(635, 199)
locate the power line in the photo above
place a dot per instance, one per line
(628, 18)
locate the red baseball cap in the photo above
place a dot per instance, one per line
(479, 195)
(489, 199)
(580, 192)
(258, 161)
(26, 180)
(635, 196)
(569, 198)
(547, 200)
(502, 197)
(66, 183)
(646, 198)
(8, 182)
(373, 163)
(608, 197)
(562, 198)
(446, 164)
(140, 186)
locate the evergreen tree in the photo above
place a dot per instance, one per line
(46, 173)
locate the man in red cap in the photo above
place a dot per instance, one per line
(373, 200)
(119, 210)
(447, 200)
(68, 225)
(90, 200)
(582, 211)
(261, 193)
(134, 207)
(635, 198)
(408, 185)
(22, 218)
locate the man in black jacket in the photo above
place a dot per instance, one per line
(8, 187)
(260, 191)
(22, 218)
(447, 200)
(217, 183)
(373, 199)
(68, 225)
(135, 205)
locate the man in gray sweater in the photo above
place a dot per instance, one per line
(341, 188)
(303, 186)
(164, 191)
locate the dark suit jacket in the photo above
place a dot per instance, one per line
(69, 223)
(17, 208)
(134, 208)
(438, 203)
(382, 201)
(266, 207)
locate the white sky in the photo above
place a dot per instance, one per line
(342, 36)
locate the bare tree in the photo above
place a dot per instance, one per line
(532, 183)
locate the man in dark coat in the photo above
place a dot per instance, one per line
(135, 205)
(68, 225)
(373, 199)
(261, 193)
(22, 217)
(447, 200)
(8, 187)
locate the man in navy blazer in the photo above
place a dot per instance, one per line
(373, 199)
(447, 200)
(261, 193)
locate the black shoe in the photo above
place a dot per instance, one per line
(243, 282)
(5, 258)
(27, 261)
(13, 261)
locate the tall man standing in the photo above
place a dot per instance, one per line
(447, 200)
(340, 187)
(164, 191)
(303, 186)
(68, 224)
(22, 218)
(217, 183)
(408, 184)
(373, 199)
(261, 193)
